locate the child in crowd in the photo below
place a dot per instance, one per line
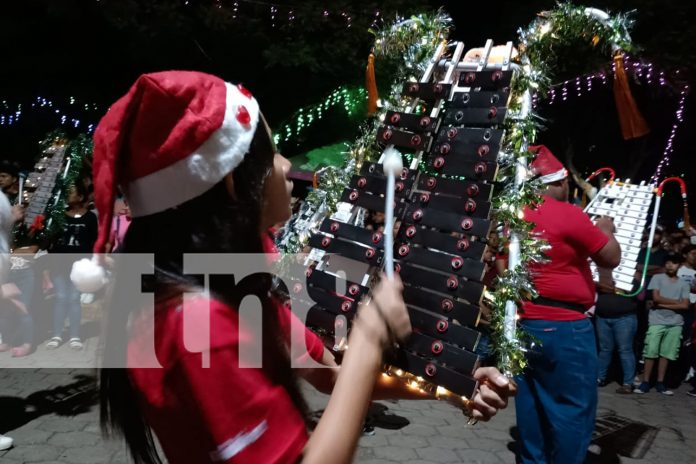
(670, 298)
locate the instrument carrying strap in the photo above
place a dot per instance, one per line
(559, 304)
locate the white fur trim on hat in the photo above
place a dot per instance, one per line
(554, 176)
(199, 172)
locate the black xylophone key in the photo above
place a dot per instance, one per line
(472, 135)
(354, 233)
(451, 284)
(464, 313)
(479, 99)
(491, 116)
(486, 80)
(369, 255)
(460, 246)
(435, 373)
(337, 285)
(371, 202)
(460, 188)
(319, 318)
(402, 139)
(436, 349)
(427, 91)
(472, 270)
(376, 170)
(378, 185)
(479, 209)
(418, 123)
(341, 306)
(448, 221)
(452, 166)
(472, 151)
(440, 327)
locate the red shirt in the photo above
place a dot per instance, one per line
(219, 413)
(567, 276)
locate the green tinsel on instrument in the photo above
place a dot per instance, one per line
(78, 151)
(408, 45)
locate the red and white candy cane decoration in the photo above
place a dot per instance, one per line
(682, 187)
(612, 174)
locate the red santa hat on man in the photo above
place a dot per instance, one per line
(170, 139)
(547, 166)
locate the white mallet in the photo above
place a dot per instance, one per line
(392, 166)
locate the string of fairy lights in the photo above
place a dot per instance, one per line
(669, 149)
(643, 71)
(350, 99)
(72, 113)
(281, 13)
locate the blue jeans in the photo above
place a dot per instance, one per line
(556, 401)
(67, 304)
(617, 332)
(24, 280)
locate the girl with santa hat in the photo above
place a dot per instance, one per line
(195, 160)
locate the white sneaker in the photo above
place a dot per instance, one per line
(5, 442)
(690, 375)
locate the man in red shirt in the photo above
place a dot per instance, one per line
(557, 398)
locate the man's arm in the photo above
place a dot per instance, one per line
(669, 303)
(609, 256)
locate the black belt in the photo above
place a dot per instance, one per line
(559, 304)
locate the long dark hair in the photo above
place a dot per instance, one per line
(211, 223)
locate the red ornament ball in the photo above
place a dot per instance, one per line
(243, 115)
(244, 91)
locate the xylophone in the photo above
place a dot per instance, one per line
(630, 205)
(451, 131)
(41, 182)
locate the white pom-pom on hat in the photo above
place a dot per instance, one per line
(88, 275)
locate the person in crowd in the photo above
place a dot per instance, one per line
(78, 237)
(691, 350)
(8, 217)
(212, 141)
(9, 180)
(654, 266)
(119, 226)
(616, 324)
(670, 296)
(557, 398)
(687, 272)
(16, 323)
(658, 254)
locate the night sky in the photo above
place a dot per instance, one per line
(94, 50)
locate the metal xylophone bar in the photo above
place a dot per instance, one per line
(630, 206)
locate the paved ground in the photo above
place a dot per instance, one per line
(436, 433)
(52, 414)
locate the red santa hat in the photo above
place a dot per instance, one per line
(170, 139)
(547, 166)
